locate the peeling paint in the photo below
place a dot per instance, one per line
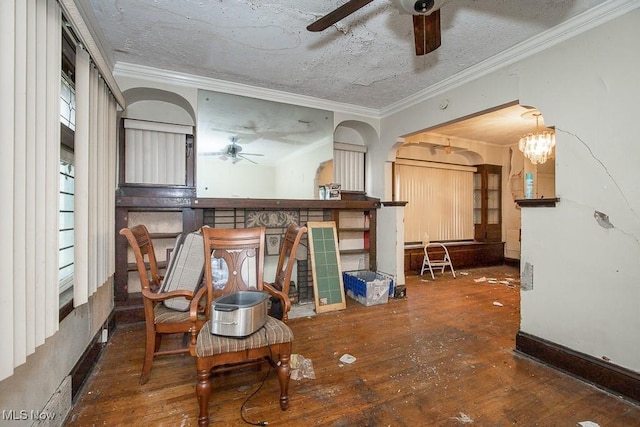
(602, 219)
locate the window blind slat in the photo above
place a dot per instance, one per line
(440, 202)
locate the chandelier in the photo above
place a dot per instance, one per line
(538, 146)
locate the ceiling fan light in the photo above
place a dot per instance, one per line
(419, 7)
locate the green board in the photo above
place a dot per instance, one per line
(328, 288)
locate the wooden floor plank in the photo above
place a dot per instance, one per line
(441, 357)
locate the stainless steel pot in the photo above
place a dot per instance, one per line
(239, 314)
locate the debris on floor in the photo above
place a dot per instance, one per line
(301, 367)
(588, 424)
(347, 358)
(498, 304)
(463, 418)
(480, 279)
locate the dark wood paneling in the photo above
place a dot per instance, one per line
(463, 255)
(538, 203)
(598, 372)
(90, 357)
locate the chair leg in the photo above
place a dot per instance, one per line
(203, 390)
(149, 351)
(284, 372)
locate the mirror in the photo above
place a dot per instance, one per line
(254, 148)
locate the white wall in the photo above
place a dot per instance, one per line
(585, 291)
(34, 383)
(296, 175)
(585, 277)
(216, 178)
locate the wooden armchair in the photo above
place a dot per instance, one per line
(286, 260)
(240, 252)
(159, 319)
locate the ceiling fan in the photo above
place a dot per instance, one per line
(232, 151)
(426, 20)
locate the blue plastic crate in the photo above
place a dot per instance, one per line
(368, 287)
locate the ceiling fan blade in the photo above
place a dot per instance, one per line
(338, 14)
(426, 32)
(241, 156)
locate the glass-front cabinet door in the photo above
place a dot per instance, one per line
(487, 203)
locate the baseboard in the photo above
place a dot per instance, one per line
(613, 378)
(513, 262)
(89, 358)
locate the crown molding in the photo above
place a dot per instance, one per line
(590, 19)
(83, 24)
(157, 75)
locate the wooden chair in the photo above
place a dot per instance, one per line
(286, 261)
(159, 319)
(242, 252)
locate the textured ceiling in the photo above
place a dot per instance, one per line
(366, 60)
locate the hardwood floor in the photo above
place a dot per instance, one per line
(441, 357)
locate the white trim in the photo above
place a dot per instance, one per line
(73, 11)
(435, 165)
(590, 19)
(158, 127)
(349, 147)
(123, 69)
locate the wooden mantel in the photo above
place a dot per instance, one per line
(197, 212)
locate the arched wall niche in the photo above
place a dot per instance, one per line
(355, 132)
(158, 105)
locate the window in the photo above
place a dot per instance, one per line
(67, 103)
(66, 221)
(349, 166)
(440, 200)
(66, 186)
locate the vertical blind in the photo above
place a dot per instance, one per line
(30, 54)
(349, 166)
(155, 152)
(95, 169)
(440, 200)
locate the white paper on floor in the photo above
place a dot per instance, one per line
(463, 418)
(301, 367)
(347, 358)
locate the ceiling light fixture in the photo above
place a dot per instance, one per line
(537, 146)
(447, 149)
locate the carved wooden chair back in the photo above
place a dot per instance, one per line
(159, 319)
(234, 261)
(286, 262)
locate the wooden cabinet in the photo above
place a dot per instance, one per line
(487, 203)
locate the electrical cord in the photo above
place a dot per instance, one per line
(264, 379)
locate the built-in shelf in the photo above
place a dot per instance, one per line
(538, 203)
(353, 251)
